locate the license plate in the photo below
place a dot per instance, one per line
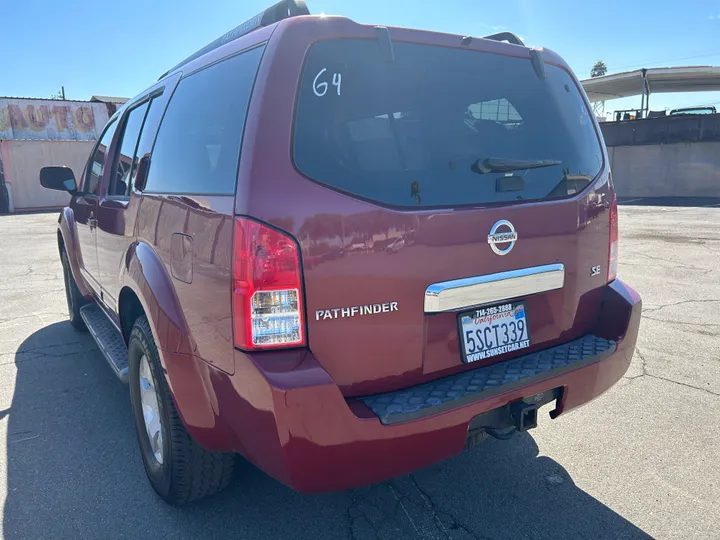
(495, 330)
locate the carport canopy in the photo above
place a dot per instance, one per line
(656, 80)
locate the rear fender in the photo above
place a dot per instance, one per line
(147, 276)
(68, 232)
(188, 377)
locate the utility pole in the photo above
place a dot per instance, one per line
(62, 92)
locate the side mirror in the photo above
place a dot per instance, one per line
(58, 178)
(142, 172)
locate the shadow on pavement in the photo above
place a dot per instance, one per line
(74, 472)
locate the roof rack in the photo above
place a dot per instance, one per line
(275, 13)
(506, 36)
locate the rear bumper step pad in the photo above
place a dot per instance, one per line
(458, 390)
(108, 338)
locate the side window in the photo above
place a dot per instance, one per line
(149, 130)
(198, 144)
(96, 165)
(126, 160)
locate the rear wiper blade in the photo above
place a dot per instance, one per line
(493, 164)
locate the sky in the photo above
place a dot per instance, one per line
(120, 48)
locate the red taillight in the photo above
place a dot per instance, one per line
(267, 295)
(613, 242)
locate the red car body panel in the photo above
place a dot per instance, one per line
(293, 412)
(448, 244)
(306, 434)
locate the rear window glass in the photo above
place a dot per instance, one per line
(441, 126)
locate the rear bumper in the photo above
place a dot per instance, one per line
(298, 427)
(485, 382)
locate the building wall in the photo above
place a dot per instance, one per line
(671, 156)
(22, 161)
(51, 119)
(686, 169)
(663, 130)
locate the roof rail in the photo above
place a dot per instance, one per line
(506, 36)
(275, 13)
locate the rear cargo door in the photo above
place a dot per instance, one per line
(459, 212)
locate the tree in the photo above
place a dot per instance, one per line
(599, 69)
(60, 94)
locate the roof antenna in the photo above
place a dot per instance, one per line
(386, 46)
(538, 63)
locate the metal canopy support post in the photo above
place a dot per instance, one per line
(642, 102)
(645, 94)
(642, 93)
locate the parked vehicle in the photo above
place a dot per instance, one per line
(694, 110)
(396, 245)
(183, 252)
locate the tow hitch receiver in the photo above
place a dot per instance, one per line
(524, 415)
(504, 422)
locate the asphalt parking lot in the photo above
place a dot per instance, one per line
(639, 462)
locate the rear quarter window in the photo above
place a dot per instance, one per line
(198, 144)
(411, 133)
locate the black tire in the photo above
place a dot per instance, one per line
(187, 472)
(74, 297)
(4, 199)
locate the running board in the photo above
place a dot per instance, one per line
(108, 338)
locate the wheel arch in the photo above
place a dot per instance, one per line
(129, 309)
(68, 242)
(148, 290)
(147, 282)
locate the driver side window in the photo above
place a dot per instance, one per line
(96, 165)
(126, 158)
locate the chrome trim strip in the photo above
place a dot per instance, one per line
(490, 288)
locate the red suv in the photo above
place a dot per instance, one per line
(345, 252)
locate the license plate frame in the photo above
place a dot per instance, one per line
(503, 312)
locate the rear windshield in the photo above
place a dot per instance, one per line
(440, 127)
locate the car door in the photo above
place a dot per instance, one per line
(85, 206)
(119, 202)
(115, 230)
